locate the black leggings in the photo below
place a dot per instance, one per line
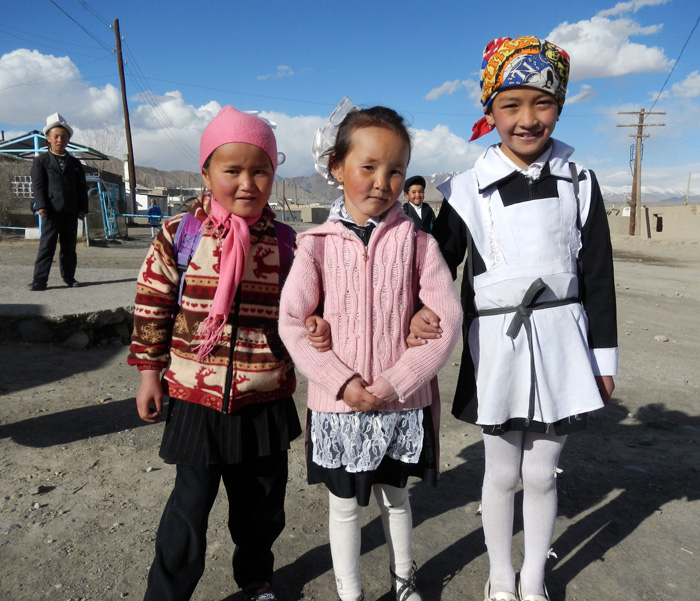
(255, 490)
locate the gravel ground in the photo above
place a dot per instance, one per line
(83, 487)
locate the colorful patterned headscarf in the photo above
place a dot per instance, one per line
(522, 61)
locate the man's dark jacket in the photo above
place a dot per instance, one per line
(59, 191)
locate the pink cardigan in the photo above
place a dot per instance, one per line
(368, 302)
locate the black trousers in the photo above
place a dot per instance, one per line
(255, 490)
(62, 228)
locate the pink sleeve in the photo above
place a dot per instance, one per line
(300, 298)
(418, 365)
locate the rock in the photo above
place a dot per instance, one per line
(660, 338)
(78, 340)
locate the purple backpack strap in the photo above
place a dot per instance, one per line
(286, 242)
(187, 237)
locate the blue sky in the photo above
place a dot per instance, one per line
(294, 61)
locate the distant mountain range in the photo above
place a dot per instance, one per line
(314, 188)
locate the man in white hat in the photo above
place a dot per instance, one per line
(60, 198)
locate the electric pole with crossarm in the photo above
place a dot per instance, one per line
(637, 173)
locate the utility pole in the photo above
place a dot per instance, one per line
(636, 201)
(127, 123)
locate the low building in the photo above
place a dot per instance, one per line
(659, 222)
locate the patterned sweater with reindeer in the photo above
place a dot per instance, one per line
(255, 367)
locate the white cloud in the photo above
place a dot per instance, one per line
(622, 8)
(585, 94)
(602, 47)
(440, 150)
(294, 136)
(434, 151)
(688, 88)
(34, 85)
(282, 71)
(449, 87)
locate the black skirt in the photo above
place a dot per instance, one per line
(198, 435)
(563, 427)
(346, 485)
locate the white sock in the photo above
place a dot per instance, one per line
(397, 520)
(344, 534)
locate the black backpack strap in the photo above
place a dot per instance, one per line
(575, 184)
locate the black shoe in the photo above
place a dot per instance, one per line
(403, 588)
(259, 592)
(37, 286)
(72, 283)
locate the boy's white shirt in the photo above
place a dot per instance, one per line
(418, 209)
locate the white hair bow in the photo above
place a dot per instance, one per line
(325, 137)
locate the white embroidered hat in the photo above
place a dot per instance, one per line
(57, 120)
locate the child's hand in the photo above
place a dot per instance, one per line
(382, 389)
(149, 398)
(425, 326)
(356, 397)
(319, 333)
(606, 385)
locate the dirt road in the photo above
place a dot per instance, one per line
(83, 487)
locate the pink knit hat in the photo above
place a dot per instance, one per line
(232, 125)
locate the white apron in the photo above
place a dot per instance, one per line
(543, 374)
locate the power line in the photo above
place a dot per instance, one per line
(94, 37)
(142, 84)
(94, 13)
(676, 63)
(33, 37)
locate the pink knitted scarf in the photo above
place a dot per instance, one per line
(235, 243)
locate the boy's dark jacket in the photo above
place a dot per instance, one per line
(423, 223)
(56, 190)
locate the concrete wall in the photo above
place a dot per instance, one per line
(659, 222)
(311, 214)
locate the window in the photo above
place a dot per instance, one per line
(22, 186)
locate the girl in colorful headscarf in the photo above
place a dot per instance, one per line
(538, 296)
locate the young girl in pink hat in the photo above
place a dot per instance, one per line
(212, 330)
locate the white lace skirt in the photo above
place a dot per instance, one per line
(358, 442)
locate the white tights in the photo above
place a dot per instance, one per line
(509, 457)
(344, 533)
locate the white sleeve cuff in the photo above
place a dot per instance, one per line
(604, 361)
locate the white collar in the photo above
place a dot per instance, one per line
(534, 169)
(493, 165)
